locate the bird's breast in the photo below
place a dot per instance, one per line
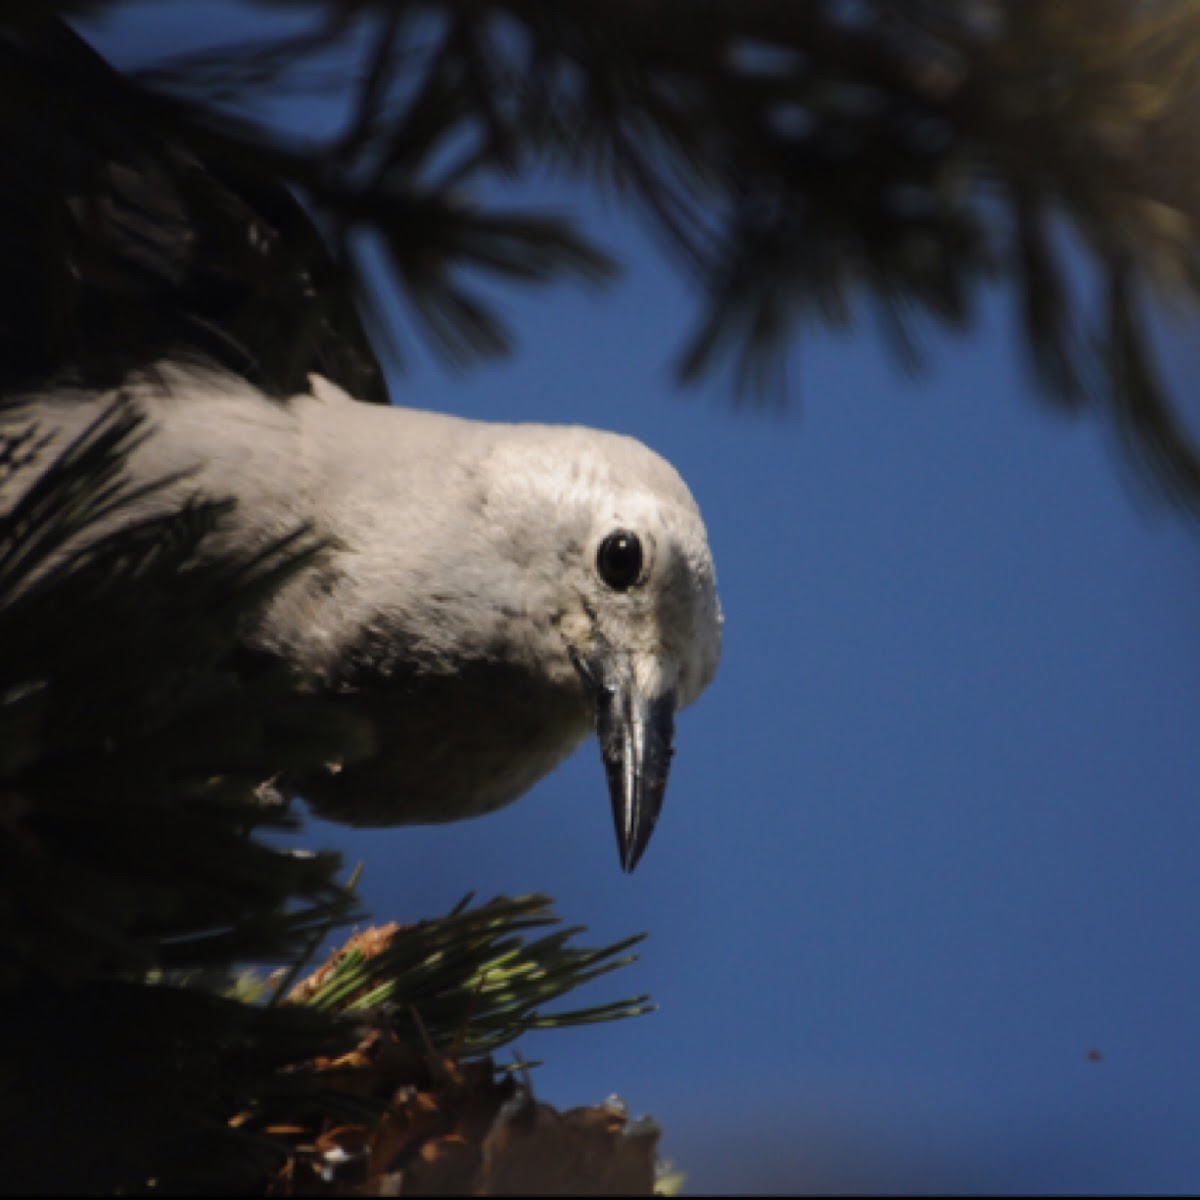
(451, 745)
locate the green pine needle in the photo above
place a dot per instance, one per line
(472, 980)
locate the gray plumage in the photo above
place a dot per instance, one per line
(462, 606)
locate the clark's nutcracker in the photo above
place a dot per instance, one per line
(493, 593)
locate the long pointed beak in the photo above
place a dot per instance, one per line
(637, 735)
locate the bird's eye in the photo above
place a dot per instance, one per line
(619, 560)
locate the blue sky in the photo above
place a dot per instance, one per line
(930, 837)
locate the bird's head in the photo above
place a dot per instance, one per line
(630, 603)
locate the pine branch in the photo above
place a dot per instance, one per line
(433, 997)
(469, 982)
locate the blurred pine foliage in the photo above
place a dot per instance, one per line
(815, 163)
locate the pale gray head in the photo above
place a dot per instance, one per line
(629, 595)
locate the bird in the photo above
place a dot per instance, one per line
(491, 594)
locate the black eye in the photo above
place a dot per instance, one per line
(619, 560)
